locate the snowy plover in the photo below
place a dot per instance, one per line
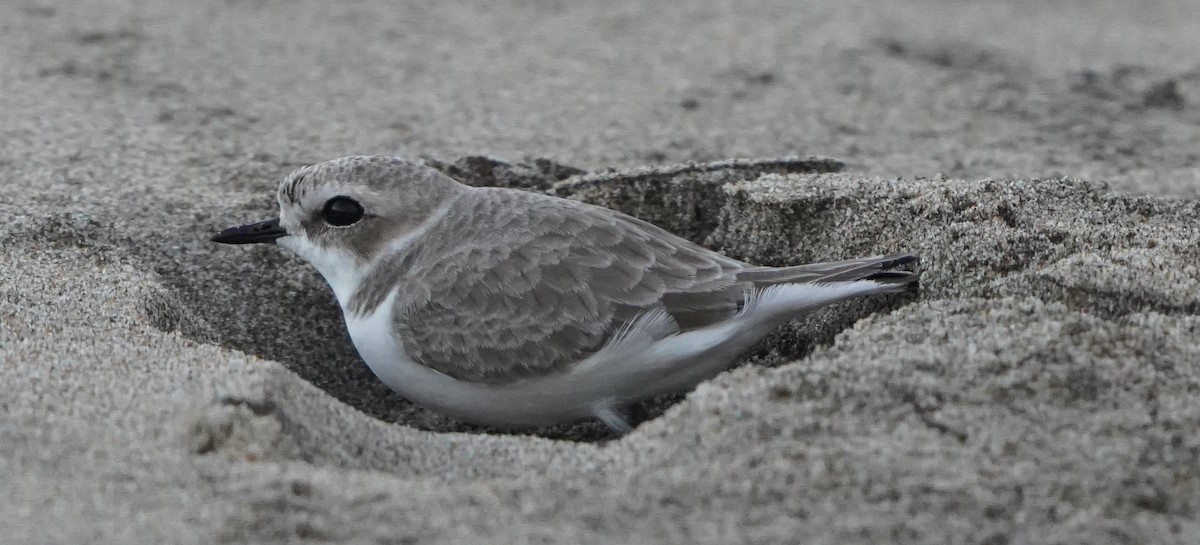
(517, 309)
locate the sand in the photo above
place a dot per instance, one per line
(1041, 157)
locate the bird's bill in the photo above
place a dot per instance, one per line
(263, 231)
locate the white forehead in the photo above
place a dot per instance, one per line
(305, 185)
(310, 196)
(305, 191)
(382, 185)
(355, 176)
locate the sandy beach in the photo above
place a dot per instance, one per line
(1043, 158)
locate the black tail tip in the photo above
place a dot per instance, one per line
(910, 280)
(898, 260)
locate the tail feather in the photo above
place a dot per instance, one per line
(902, 280)
(866, 268)
(817, 281)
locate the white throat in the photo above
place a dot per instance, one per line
(341, 270)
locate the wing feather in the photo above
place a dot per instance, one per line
(513, 284)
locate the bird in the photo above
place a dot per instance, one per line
(515, 310)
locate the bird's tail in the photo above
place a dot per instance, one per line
(880, 269)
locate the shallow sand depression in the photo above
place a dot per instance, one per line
(1042, 160)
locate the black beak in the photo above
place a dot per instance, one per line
(263, 231)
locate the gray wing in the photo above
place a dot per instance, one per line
(513, 284)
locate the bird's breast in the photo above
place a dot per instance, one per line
(375, 339)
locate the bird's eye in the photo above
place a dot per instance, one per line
(342, 211)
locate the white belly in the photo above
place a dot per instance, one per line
(606, 381)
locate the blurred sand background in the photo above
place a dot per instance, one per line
(1043, 157)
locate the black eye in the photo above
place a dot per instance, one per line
(342, 211)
